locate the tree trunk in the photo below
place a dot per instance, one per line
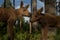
(33, 7)
(50, 6)
(35, 26)
(7, 3)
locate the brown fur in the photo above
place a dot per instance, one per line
(10, 15)
(46, 20)
(22, 11)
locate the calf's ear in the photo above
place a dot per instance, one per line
(27, 6)
(21, 5)
(40, 10)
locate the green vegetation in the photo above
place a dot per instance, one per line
(58, 34)
(19, 34)
(24, 33)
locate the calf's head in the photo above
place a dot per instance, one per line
(23, 11)
(35, 17)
